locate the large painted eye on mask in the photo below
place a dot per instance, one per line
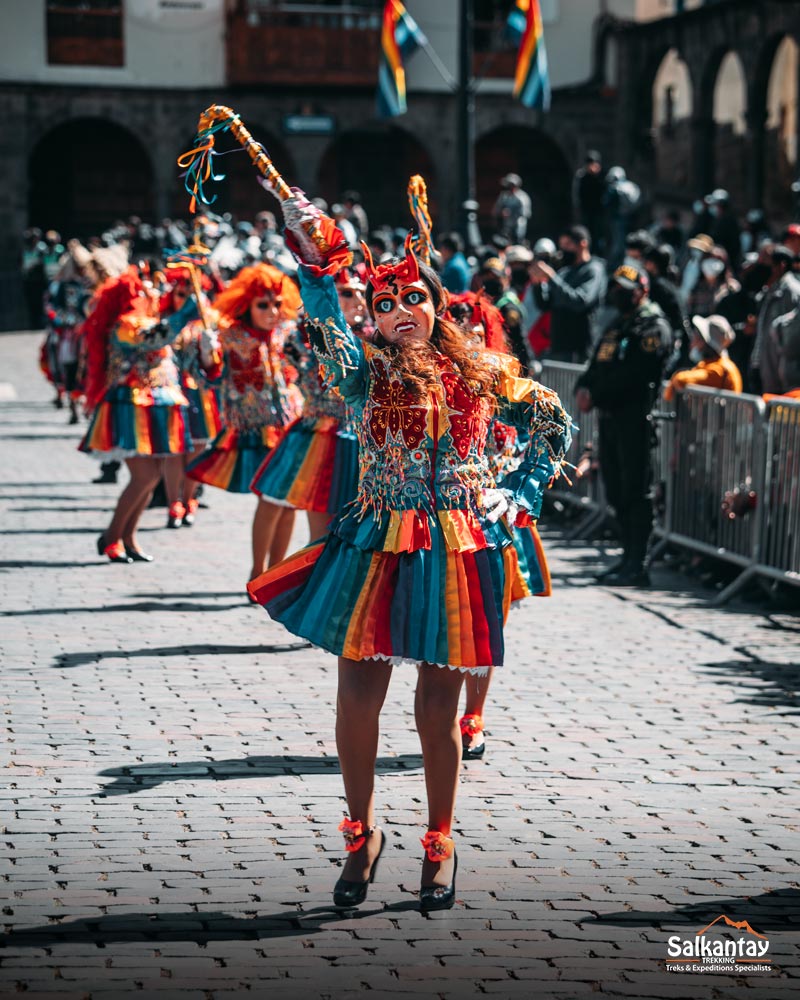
(384, 306)
(414, 298)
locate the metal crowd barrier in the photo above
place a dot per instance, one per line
(726, 474)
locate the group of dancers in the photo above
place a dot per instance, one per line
(395, 416)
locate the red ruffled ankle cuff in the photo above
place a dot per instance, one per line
(438, 846)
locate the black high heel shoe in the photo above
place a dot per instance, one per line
(470, 725)
(438, 847)
(136, 555)
(101, 544)
(348, 894)
(116, 552)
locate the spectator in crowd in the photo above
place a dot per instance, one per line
(754, 233)
(356, 214)
(572, 295)
(512, 210)
(33, 279)
(658, 262)
(622, 382)
(787, 333)
(724, 227)
(716, 281)
(740, 309)
(637, 244)
(622, 200)
(455, 269)
(497, 288)
(538, 319)
(791, 238)
(701, 216)
(670, 231)
(711, 337)
(588, 195)
(782, 296)
(698, 247)
(339, 214)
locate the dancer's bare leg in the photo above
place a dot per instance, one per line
(477, 688)
(317, 524)
(173, 478)
(145, 473)
(282, 536)
(436, 711)
(362, 690)
(265, 522)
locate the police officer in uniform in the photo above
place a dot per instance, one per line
(622, 381)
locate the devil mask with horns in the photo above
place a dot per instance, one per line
(400, 299)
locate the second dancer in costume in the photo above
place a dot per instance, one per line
(315, 466)
(259, 398)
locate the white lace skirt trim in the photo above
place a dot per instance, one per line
(397, 661)
(278, 503)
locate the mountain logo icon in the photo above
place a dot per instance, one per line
(738, 925)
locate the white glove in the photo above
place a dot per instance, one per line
(209, 343)
(296, 211)
(499, 502)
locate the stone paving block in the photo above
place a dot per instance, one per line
(172, 794)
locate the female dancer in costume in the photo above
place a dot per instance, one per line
(204, 418)
(420, 566)
(257, 313)
(315, 466)
(140, 412)
(483, 326)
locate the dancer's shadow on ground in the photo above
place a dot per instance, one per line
(200, 928)
(43, 564)
(140, 777)
(70, 660)
(765, 685)
(146, 606)
(778, 910)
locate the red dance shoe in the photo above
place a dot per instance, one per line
(176, 515)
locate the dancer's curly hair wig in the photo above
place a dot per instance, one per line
(417, 363)
(251, 283)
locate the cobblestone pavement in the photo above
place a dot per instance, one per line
(171, 793)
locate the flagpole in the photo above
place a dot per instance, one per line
(443, 71)
(466, 123)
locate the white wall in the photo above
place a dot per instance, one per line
(179, 43)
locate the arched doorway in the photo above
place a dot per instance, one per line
(238, 192)
(780, 150)
(731, 154)
(671, 123)
(539, 161)
(377, 162)
(86, 174)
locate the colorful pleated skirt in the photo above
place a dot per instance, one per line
(435, 605)
(130, 422)
(204, 418)
(533, 573)
(231, 460)
(314, 467)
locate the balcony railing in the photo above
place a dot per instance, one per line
(298, 44)
(85, 36)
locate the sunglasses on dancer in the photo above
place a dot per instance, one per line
(269, 304)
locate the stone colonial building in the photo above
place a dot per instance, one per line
(100, 98)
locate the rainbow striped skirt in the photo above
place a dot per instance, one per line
(314, 467)
(433, 604)
(231, 460)
(130, 421)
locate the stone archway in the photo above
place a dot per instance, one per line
(377, 161)
(672, 106)
(780, 130)
(729, 115)
(87, 173)
(539, 161)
